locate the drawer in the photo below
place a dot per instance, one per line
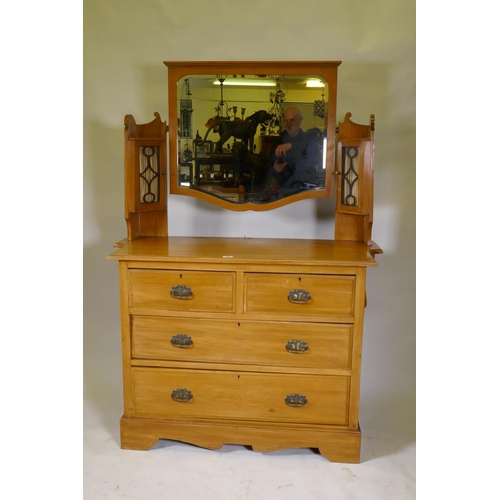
(181, 290)
(172, 393)
(297, 344)
(314, 294)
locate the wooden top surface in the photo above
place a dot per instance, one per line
(247, 250)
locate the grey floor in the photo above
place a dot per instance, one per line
(179, 471)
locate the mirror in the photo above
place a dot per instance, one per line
(252, 136)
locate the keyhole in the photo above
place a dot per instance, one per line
(300, 279)
(180, 276)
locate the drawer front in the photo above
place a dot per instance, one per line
(171, 393)
(289, 344)
(182, 290)
(291, 294)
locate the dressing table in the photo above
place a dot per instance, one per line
(249, 341)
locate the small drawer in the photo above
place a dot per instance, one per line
(306, 294)
(181, 290)
(297, 344)
(172, 393)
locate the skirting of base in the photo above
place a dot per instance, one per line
(334, 444)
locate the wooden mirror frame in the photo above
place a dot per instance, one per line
(178, 70)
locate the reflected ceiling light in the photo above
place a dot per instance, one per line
(246, 82)
(314, 84)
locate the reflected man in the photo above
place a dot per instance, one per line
(292, 157)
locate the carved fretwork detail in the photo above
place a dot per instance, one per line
(350, 176)
(149, 174)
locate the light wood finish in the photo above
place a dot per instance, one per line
(335, 444)
(126, 339)
(144, 219)
(320, 256)
(248, 342)
(360, 297)
(330, 295)
(234, 306)
(211, 291)
(194, 365)
(355, 222)
(239, 395)
(326, 69)
(240, 321)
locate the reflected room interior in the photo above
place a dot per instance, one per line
(228, 127)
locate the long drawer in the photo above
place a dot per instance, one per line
(182, 290)
(172, 393)
(292, 344)
(295, 294)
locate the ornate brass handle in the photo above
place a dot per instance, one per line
(296, 346)
(299, 296)
(182, 340)
(182, 292)
(296, 400)
(182, 395)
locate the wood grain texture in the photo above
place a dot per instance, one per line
(248, 251)
(357, 345)
(355, 222)
(326, 69)
(211, 291)
(125, 338)
(239, 395)
(239, 316)
(336, 445)
(247, 342)
(238, 370)
(144, 219)
(329, 295)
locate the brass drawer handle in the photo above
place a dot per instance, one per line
(296, 400)
(182, 340)
(297, 346)
(182, 292)
(299, 297)
(182, 395)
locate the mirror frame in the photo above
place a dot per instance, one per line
(327, 70)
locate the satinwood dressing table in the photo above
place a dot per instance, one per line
(250, 341)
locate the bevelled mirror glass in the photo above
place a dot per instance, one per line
(252, 136)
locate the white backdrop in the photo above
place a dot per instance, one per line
(125, 44)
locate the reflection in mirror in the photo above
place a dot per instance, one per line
(251, 138)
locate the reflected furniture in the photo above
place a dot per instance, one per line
(250, 341)
(204, 99)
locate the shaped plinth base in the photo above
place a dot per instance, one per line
(334, 444)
